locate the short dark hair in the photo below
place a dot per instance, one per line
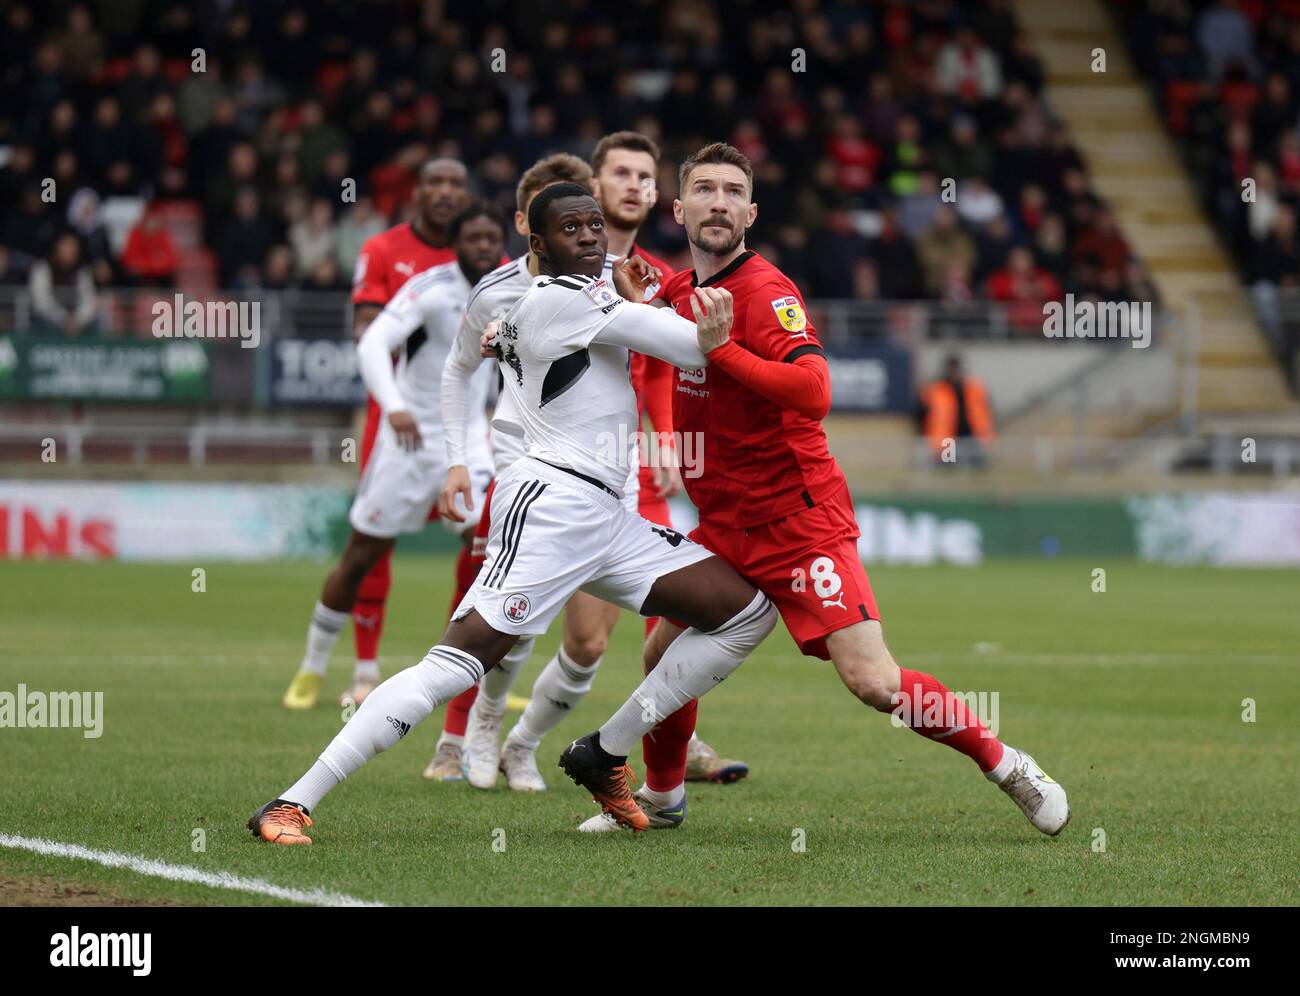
(717, 152)
(561, 166)
(477, 209)
(537, 211)
(634, 141)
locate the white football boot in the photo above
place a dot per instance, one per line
(1039, 797)
(519, 765)
(483, 745)
(660, 819)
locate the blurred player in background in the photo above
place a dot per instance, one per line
(774, 503)
(387, 261)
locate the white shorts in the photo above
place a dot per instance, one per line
(552, 534)
(399, 489)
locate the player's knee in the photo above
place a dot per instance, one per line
(651, 654)
(359, 558)
(585, 649)
(872, 679)
(749, 626)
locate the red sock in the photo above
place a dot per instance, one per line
(664, 749)
(931, 710)
(457, 718)
(368, 612)
(466, 572)
(458, 712)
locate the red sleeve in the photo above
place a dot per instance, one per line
(776, 322)
(370, 278)
(801, 382)
(657, 393)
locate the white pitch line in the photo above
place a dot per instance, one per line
(182, 873)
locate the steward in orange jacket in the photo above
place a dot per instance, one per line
(956, 407)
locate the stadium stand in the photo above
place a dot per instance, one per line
(862, 120)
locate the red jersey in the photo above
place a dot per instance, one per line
(758, 461)
(652, 381)
(390, 259)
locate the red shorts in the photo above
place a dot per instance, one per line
(807, 564)
(484, 527)
(373, 414)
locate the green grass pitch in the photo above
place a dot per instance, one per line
(1131, 698)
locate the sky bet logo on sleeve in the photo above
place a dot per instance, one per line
(789, 312)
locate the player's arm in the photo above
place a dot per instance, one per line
(633, 275)
(369, 291)
(801, 381)
(794, 376)
(362, 316)
(384, 336)
(657, 392)
(661, 333)
(463, 361)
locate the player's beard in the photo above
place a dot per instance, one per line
(622, 224)
(717, 248)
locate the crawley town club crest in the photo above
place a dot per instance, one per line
(516, 607)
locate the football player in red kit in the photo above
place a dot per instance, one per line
(386, 262)
(774, 503)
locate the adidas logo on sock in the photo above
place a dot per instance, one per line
(402, 728)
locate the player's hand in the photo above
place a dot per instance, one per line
(713, 316)
(457, 484)
(408, 433)
(632, 275)
(668, 481)
(487, 342)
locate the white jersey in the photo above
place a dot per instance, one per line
(564, 359)
(422, 321)
(492, 298)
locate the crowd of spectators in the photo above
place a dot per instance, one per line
(1227, 74)
(902, 149)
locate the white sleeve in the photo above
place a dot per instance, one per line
(463, 361)
(653, 331)
(389, 331)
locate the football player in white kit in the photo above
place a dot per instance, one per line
(408, 465)
(563, 527)
(567, 677)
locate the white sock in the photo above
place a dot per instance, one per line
(1004, 767)
(694, 663)
(494, 689)
(557, 690)
(663, 800)
(366, 671)
(387, 715)
(322, 634)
